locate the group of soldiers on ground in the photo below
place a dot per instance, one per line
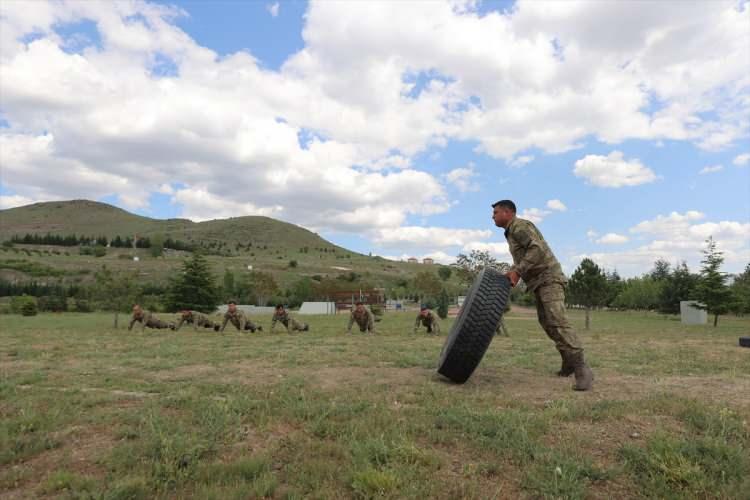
(361, 315)
(233, 315)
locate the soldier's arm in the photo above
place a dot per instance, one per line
(273, 323)
(224, 323)
(370, 321)
(533, 251)
(179, 323)
(416, 323)
(243, 322)
(351, 322)
(132, 322)
(144, 321)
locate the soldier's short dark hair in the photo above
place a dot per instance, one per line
(232, 302)
(279, 306)
(423, 307)
(358, 303)
(505, 204)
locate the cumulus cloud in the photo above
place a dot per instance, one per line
(331, 138)
(495, 249)
(521, 161)
(612, 239)
(13, 200)
(273, 9)
(462, 178)
(711, 169)
(428, 237)
(742, 159)
(556, 205)
(535, 215)
(613, 170)
(678, 237)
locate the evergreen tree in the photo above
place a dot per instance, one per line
(194, 288)
(442, 304)
(588, 287)
(712, 291)
(680, 285)
(741, 292)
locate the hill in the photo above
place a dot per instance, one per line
(287, 251)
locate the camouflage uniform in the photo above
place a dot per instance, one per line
(239, 320)
(430, 322)
(536, 264)
(147, 319)
(534, 261)
(196, 319)
(365, 320)
(288, 322)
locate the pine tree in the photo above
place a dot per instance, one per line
(442, 304)
(712, 291)
(588, 287)
(194, 288)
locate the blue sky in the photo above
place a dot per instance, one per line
(391, 127)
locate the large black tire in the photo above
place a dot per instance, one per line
(475, 326)
(744, 341)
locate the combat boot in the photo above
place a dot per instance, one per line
(567, 369)
(584, 375)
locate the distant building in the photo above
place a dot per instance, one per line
(427, 260)
(412, 260)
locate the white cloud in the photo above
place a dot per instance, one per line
(535, 215)
(678, 237)
(496, 249)
(742, 159)
(10, 201)
(521, 161)
(712, 169)
(462, 178)
(330, 139)
(612, 239)
(166, 189)
(273, 9)
(556, 205)
(428, 237)
(613, 171)
(591, 234)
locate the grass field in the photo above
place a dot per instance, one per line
(91, 412)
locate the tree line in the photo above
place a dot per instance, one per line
(73, 240)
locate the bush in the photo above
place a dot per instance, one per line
(82, 306)
(292, 263)
(28, 308)
(17, 303)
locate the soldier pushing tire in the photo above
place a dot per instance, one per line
(475, 326)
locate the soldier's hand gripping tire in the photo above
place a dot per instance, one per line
(475, 326)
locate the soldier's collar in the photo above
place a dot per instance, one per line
(507, 228)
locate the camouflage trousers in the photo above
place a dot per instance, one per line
(157, 323)
(550, 309)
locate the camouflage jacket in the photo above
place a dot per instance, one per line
(194, 318)
(143, 319)
(428, 320)
(237, 318)
(365, 319)
(533, 259)
(282, 318)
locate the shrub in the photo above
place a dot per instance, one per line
(28, 308)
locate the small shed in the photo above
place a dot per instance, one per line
(692, 315)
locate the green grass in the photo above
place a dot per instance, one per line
(87, 411)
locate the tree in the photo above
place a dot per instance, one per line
(194, 288)
(741, 292)
(445, 273)
(262, 285)
(228, 283)
(641, 294)
(661, 270)
(679, 285)
(115, 292)
(712, 292)
(468, 266)
(442, 304)
(614, 287)
(157, 245)
(588, 287)
(427, 284)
